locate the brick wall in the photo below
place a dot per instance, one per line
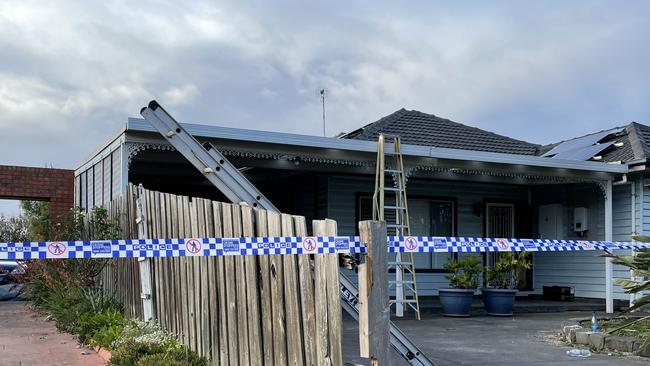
(53, 185)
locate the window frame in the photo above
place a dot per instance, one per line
(430, 198)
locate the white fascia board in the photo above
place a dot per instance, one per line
(105, 150)
(205, 131)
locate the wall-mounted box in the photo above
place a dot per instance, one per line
(551, 222)
(580, 219)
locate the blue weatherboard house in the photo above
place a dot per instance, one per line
(462, 181)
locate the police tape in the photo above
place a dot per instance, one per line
(190, 247)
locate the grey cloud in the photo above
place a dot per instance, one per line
(71, 73)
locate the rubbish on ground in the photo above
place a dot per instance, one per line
(595, 327)
(581, 353)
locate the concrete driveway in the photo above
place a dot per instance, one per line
(27, 339)
(525, 339)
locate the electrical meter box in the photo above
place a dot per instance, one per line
(551, 222)
(580, 219)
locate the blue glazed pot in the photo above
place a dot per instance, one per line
(456, 302)
(498, 302)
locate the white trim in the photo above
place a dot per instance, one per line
(609, 267)
(101, 153)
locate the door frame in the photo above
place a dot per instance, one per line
(499, 204)
(530, 286)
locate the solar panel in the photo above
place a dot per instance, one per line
(582, 142)
(584, 153)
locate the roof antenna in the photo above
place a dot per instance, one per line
(323, 93)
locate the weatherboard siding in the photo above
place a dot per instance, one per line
(585, 271)
(342, 207)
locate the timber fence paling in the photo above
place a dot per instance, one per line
(252, 300)
(235, 310)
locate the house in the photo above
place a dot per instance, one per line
(462, 181)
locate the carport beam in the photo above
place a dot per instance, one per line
(609, 268)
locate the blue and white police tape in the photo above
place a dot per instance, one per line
(288, 245)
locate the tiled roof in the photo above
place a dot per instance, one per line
(419, 128)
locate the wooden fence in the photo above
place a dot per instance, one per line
(236, 310)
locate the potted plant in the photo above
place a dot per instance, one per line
(463, 278)
(502, 282)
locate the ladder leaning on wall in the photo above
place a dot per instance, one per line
(395, 213)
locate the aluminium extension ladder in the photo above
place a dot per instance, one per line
(395, 213)
(237, 188)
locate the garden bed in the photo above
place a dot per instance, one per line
(631, 340)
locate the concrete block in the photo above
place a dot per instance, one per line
(638, 343)
(582, 336)
(643, 351)
(619, 343)
(569, 332)
(597, 340)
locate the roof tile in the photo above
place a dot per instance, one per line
(419, 128)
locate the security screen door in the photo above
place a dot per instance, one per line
(500, 223)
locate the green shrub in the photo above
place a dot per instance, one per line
(184, 356)
(146, 344)
(130, 352)
(100, 329)
(13, 229)
(160, 359)
(179, 356)
(508, 268)
(464, 273)
(145, 332)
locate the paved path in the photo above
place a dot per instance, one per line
(526, 339)
(27, 339)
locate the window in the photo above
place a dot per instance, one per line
(428, 217)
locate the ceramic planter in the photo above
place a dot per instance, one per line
(456, 302)
(499, 302)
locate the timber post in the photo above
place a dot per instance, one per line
(144, 263)
(374, 310)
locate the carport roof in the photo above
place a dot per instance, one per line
(352, 145)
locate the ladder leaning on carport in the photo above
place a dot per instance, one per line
(237, 188)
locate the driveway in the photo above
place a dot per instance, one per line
(27, 339)
(525, 339)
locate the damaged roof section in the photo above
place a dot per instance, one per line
(417, 128)
(620, 144)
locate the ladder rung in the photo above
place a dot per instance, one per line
(401, 282)
(395, 207)
(392, 171)
(395, 225)
(403, 301)
(400, 263)
(394, 189)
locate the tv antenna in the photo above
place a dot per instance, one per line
(323, 94)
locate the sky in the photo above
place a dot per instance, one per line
(72, 72)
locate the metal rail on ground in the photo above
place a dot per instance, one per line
(237, 188)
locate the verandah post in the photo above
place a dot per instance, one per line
(374, 310)
(609, 268)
